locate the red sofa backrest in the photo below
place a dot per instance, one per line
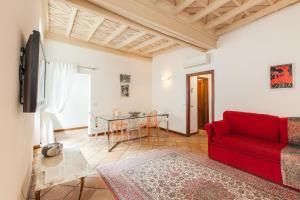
(254, 125)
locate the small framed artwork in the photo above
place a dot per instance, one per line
(281, 76)
(124, 90)
(124, 78)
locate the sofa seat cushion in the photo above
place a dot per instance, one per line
(254, 125)
(254, 146)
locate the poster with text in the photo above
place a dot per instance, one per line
(281, 76)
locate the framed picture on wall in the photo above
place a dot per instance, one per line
(281, 76)
(124, 90)
(124, 78)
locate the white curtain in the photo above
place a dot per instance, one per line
(59, 80)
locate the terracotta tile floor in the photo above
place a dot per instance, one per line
(95, 151)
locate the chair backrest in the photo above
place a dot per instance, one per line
(116, 112)
(152, 119)
(93, 120)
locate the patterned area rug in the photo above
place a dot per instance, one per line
(173, 174)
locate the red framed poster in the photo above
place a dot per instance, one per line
(281, 76)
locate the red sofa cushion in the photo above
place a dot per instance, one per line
(256, 147)
(221, 128)
(254, 125)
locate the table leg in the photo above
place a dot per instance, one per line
(108, 130)
(81, 186)
(37, 195)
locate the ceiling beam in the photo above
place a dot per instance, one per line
(232, 13)
(96, 25)
(271, 2)
(157, 20)
(89, 45)
(100, 11)
(205, 5)
(236, 2)
(182, 5)
(159, 47)
(71, 21)
(131, 39)
(146, 43)
(210, 8)
(266, 11)
(114, 34)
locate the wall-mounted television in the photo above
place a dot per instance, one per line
(32, 74)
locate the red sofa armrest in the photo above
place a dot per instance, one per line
(283, 130)
(210, 132)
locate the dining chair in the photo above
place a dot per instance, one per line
(118, 125)
(134, 126)
(156, 122)
(163, 122)
(96, 127)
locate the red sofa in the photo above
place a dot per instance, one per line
(248, 141)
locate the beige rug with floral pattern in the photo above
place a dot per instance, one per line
(174, 174)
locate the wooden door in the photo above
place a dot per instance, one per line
(203, 103)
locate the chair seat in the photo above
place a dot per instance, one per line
(259, 147)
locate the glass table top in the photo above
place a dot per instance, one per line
(126, 117)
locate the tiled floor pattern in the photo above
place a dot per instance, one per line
(95, 151)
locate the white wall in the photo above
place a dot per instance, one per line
(105, 82)
(241, 65)
(17, 18)
(76, 111)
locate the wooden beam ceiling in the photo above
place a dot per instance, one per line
(98, 22)
(159, 47)
(142, 28)
(266, 11)
(182, 5)
(97, 10)
(158, 21)
(146, 43)
(210, 8)
(238, 3)
(131, 39)
(114, 34)
(71, 21)
(232, 13)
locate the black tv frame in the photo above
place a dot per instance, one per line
(28, 76)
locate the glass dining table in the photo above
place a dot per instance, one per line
(125, 119)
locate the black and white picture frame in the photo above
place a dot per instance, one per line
(124, 78)
(125, 90)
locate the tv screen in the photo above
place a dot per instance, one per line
(29, 73)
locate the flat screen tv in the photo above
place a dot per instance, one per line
(31, 78)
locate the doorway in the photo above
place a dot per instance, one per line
(200, 100)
